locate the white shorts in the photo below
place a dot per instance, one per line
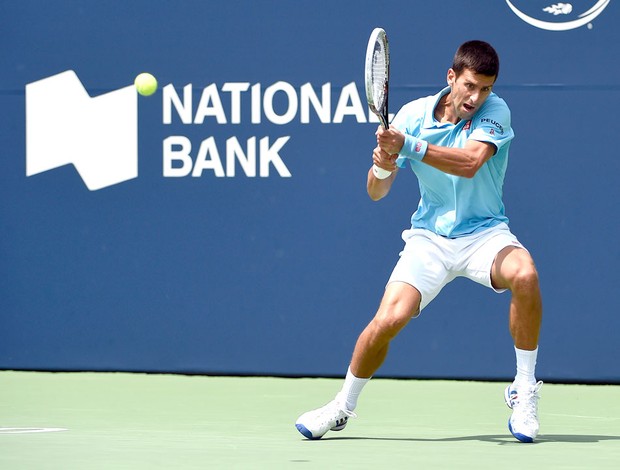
(430, 261)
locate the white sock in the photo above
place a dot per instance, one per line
(526, 366)
(351, 389)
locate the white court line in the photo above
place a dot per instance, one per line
(612, 418)
(29, 430)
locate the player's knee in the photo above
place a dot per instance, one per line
(392, 317)
(525, 279)
(389, 326)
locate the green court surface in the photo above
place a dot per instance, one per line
(139, 421)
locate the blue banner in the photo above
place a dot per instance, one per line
(222, 226)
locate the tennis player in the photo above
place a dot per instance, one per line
(456, 142)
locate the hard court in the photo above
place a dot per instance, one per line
(141, 421)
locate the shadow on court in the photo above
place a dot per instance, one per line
(498, 439)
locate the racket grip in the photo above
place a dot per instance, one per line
(380, 173)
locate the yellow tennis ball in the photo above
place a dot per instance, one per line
(146, 84)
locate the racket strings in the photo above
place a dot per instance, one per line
(379, 74)
(377, 69)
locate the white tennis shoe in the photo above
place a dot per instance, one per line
(523, 401)
(331, 417)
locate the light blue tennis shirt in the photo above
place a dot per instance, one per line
(454, 206)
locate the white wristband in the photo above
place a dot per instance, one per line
(380, 173)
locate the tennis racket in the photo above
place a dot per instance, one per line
(377, 74)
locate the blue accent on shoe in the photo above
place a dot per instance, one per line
(519, 436)
(302, 429)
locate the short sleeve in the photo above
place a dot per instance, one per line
(492, 123)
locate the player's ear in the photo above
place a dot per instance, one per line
(451, 77)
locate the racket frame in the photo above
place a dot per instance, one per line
(377, 35)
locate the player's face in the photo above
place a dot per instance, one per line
(469, 90)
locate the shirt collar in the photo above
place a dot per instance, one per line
(429, 118)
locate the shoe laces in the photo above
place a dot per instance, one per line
(527, 400)
(338, 406)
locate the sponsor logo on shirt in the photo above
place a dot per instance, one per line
(494, 123)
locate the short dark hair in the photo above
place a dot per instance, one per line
(477, 56)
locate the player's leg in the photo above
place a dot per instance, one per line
(514, 270)
(421, 264)
(496, 259)
(418, 277)
(399, 304)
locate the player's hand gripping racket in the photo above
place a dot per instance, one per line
(377, 74)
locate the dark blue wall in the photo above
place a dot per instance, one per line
(251, 275)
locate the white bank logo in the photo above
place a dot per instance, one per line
(99, 135)
(558, 16)
(64, 125)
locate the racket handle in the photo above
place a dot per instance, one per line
(380, 173)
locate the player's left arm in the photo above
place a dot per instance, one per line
(491, 130)
(464, 161)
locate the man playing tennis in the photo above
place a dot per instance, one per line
(456, 142)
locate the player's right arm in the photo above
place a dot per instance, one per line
(379, 188)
